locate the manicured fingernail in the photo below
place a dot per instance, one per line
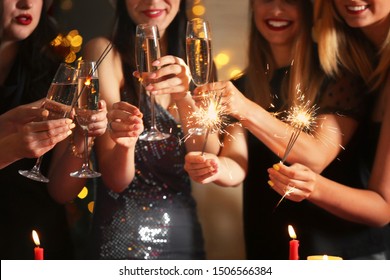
(155, 63)
(270, 183)
(69, 132)
(149, 87)
(73, 125)
(276, 167)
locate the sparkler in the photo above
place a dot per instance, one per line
(98, 62)
(211, 115)
(300, 118)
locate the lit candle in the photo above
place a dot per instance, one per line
(324, 258)
(294, 244)
(38, 251)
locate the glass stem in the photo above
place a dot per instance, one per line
(152, 111)
(37, 165)
(86, 158)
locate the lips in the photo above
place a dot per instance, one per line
(153, 13)
(278, 24)
(24, 19)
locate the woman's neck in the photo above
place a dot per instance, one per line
(8, 52)
(282, 55)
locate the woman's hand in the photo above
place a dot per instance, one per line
(98, 124)
(232, 100)
(125, 123)
(172, 77)
(297, 180)
(14, 119)
(36, 138)
(202, 168)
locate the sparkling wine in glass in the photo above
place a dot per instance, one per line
(86, 106)
(198, 51)
(147, 50)
(59, 98)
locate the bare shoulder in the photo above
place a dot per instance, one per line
(94, 48)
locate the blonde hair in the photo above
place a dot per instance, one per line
(305, 75)
(340, 46)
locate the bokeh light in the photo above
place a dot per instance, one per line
(198, 10)
(83, 193)
(91, 206)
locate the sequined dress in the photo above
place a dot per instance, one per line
(155, 217)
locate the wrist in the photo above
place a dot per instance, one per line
(79, 150)
(180, 96)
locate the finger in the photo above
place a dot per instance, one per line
(195, 157)
(211, 86)
(43, 126)
(125, 106)
(168, 59)
(25, 115)
(168, 71)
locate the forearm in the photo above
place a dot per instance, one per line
(8, 153)
(231, 174)
(315, 150)
(118, 167)
(355, 205)
(62, 187)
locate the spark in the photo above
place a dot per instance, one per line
(289, 190)
(301, 117)
(211, 117)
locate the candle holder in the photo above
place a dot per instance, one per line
(323, 258)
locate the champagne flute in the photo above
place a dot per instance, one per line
(147, 50)
(86, 106)
(61, 93)
(198, 50)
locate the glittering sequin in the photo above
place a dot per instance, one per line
(155, 217)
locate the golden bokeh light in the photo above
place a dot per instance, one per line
(235, 72)
(83, 193)
(91, 206)
(198, 10)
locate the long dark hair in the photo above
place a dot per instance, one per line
(124, 41)
(39, 59)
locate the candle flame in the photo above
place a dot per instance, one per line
(36, 238)
(291, 232)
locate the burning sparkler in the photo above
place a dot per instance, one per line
(301, 118)
(211, 115)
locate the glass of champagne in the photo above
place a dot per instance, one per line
(59, 99)
(198, 51)
(147, 50)
(86, 105)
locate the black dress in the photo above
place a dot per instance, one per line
(155, 217)
(25, 204)
(265, 225)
